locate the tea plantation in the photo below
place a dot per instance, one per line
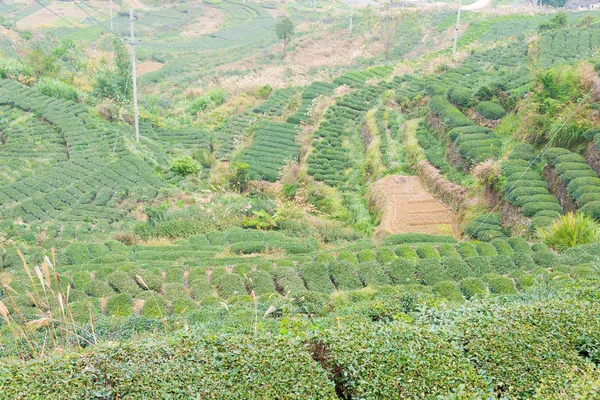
(270, 234)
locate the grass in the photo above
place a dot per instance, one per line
(570, 230)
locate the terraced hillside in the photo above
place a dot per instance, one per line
(363, 215)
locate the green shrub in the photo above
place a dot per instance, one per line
(345, 275)
(229, 285)
(366, 256)
(490, 110)
(499, 284)
(287, 280)
(426, 251)
(185, 165)
(486, 250)
(456, 267)
(449, 291)
(473, 287)
(449, 114)
(155, 307)
(123, 282)
(260, 282)
(183, 305)
(405, 251)
(120, 305)
(467, 250)
(373, 274)
(571, 230)
(247, 247)
(55, 88)
(448, 250)
(480, 265)
(174, 291)
(502, 246)
(460, 96)
(316, 277)
(432, 271)
(373, 361)
(154, 368)
(521, 347)
(402, 271)
(591, 208)
(385, 255)
(201, 288)
(95, 288)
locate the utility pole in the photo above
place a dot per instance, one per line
(351, 17)
(111, 16)
(457, 27)
(134, 76)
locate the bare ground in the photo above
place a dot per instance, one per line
(209, 22)
(409, 208)
(147, 67)
(49, 15)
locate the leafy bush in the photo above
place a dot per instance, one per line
(490, 110)
(460, 96)
(449, 114)
(473, 287)
(449, 291)
(55, 88)
(570, 230)
(499, 284)
(375, 360)
(185, 165)
(120, 305)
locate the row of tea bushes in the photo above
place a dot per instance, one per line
(312, 91)
(277, 103)
(525, 188)
(581, 181)
(274, 145)
(475, 144)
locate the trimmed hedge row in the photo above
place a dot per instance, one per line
(449, 114)
(274, 145)
(525, 188)
(582, 182)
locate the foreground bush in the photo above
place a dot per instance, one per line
(217, 368)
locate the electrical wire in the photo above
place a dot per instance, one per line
(94, 18)
(469, 237)
(67, 21)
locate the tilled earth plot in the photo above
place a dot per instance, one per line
(409, 208)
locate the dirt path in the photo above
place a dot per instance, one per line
(409, 208)
(477, 5)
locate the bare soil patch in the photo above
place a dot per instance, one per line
(147, 67)
(409, 208)
(276, 12)
(209, 22)
(45, 15)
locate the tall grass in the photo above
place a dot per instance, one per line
(570, 230)
(51, 325)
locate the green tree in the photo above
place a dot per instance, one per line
(114, 83)
(240, 177)
(285, 31)
(42, 63)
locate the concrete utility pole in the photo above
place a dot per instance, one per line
(351, 17)
(111, 16)
(134, 76)
(457, 27)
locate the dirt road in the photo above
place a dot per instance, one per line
(409, 208)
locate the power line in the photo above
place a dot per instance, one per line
(507, 192)
(94, 18)
(67, 21)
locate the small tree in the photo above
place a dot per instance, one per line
(388, 29)
(285, 31)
